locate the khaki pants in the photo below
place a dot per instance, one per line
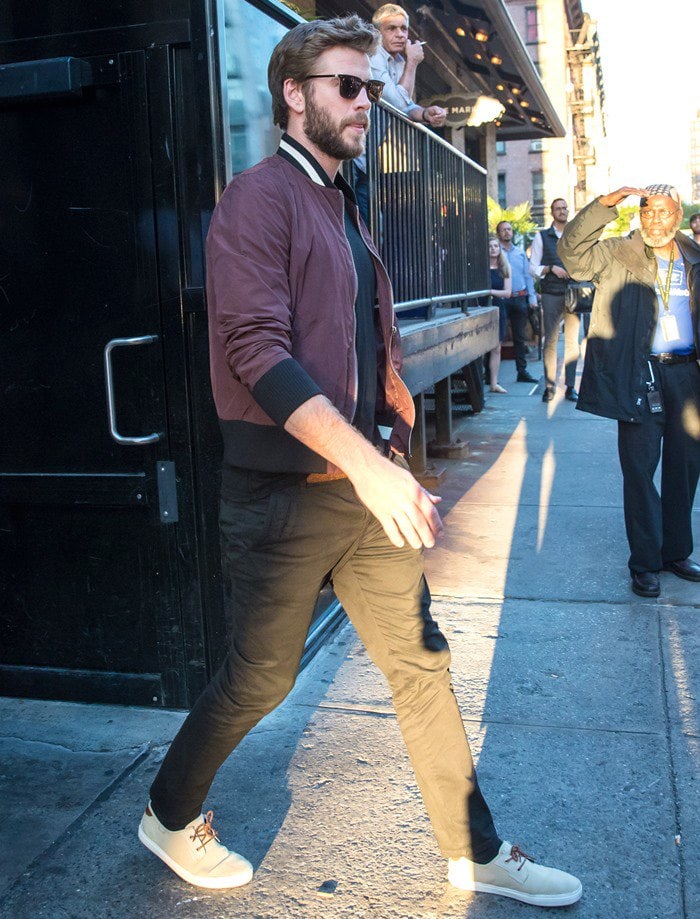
(278, 551)
(552, 313)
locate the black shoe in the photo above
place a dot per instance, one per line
(526, 377)
(571, 394)
(646, 583)
(686, 569)
(548, 395)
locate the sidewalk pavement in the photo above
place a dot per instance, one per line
(580, 701)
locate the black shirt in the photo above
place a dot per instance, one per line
(365, 342)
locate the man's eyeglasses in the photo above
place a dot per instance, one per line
(662, 213)
(350, 87)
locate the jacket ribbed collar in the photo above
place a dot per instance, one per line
(296, 154)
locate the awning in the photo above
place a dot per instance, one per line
(486, 42)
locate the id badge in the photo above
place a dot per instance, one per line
(655, 403)
(669, 328)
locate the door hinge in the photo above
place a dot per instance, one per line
(167, 491)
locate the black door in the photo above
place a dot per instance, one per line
(89, 524)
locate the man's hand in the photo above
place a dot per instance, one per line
(405, 510)
(434, 115)
(560, 272)
(613, 198)
(413, 52)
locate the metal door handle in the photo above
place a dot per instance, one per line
(109, 347)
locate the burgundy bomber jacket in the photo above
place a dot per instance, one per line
(281, 290)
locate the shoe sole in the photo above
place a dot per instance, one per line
(545, 900)
(208, 883)
(648, 595)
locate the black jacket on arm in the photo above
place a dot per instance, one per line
(625, 310)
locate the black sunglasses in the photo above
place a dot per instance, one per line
(350, 87)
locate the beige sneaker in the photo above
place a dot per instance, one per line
(514, 874)
(195, 853)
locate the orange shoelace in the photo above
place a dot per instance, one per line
(205, 832)
(517, 855)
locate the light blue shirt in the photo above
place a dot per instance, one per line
(520, 273)
(389, 70)
(678, 307)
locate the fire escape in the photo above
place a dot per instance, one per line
(583, 56)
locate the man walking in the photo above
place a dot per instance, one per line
(546, 265)
(522, 297)
(641, 368)
(305, 369)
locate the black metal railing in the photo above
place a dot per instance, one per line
(427, 214)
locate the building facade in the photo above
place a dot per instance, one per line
(120, 125)
(563, 44)
(695, 159)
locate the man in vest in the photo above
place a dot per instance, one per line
(546, 266)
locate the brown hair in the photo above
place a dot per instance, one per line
(295, 56)
(502, 264)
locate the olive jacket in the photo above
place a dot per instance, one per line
(625, 310)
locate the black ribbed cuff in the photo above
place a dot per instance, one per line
(283, 389)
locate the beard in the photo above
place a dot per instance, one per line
(657, 242)
(328, 136)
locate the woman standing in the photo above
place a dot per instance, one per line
(501, 285)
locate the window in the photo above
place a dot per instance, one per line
(253, 135)
(531, 25)
(536, 145)
(502, 189)
(537, 188)
(500, 147)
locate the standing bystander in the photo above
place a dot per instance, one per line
(694, 224)
(501, 288)
(395, 63)
(641, 368)
(305, 368)
(546, 265)
(522, 297)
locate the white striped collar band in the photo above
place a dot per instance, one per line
(304, 161)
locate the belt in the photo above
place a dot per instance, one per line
(671, 358)
(315, 478)
(519, 293)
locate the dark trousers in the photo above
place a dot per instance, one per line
(277, 552)
(659, 528)
(517, 309)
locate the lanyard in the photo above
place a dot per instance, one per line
(665, 291)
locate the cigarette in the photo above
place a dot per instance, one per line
(422, 42)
